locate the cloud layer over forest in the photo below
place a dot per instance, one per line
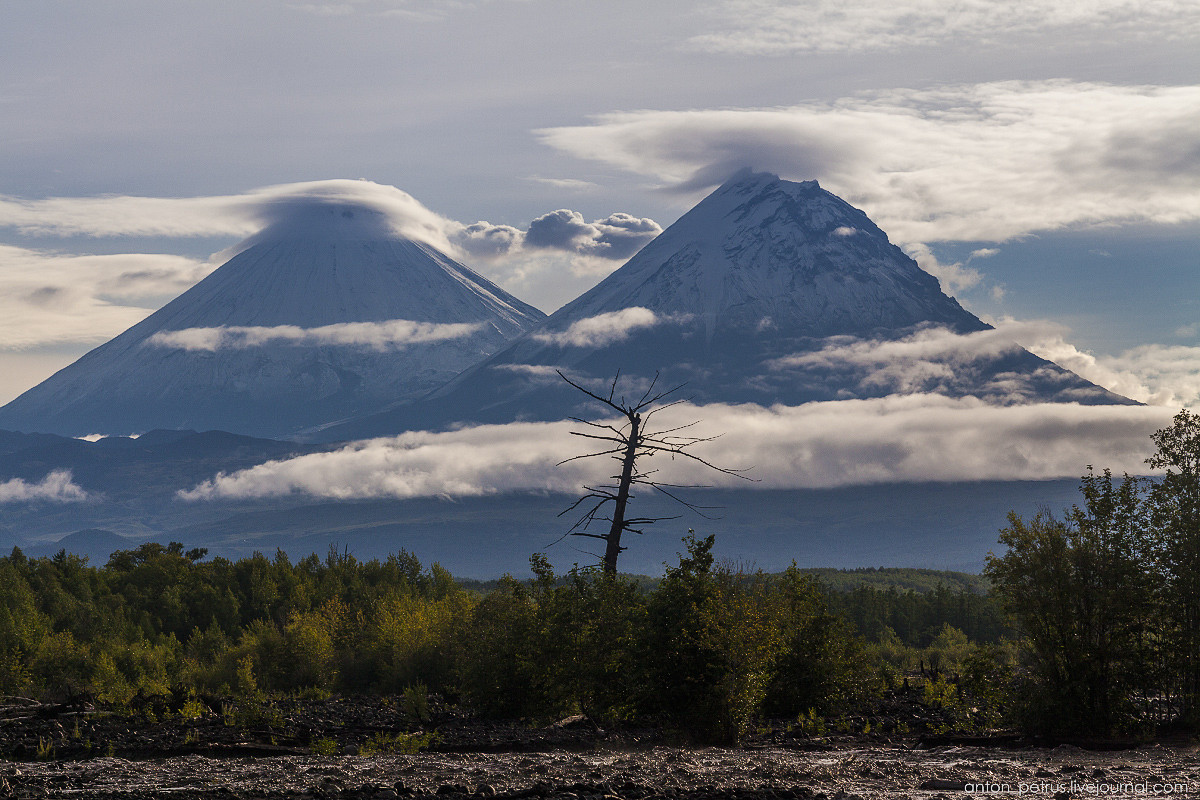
(911, 438)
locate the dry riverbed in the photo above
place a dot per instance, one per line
(666, 772)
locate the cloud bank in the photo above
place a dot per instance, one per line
(984, 162)
(57, 487)
(389, 335)
(778, 27)
(914, 438)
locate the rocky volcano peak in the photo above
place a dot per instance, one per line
(764, 251)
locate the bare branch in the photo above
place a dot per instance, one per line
(631, 441)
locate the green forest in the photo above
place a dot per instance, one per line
(1087, 622)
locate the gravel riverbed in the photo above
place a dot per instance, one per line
(657, 772)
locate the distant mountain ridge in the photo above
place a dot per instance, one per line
(747, 298)
(325, 314)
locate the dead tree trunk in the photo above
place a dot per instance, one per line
(613, 542)
(627, 444)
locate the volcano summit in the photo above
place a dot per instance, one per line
(768, 291)
(329, 312)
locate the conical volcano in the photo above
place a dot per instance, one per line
(328, 313)
(768, 291)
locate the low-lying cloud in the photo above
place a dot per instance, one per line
(930, 345)
(1158, 374)
(938, 360)
(57, 487)
(603, 329)
(983, 162)
(935, 357)
(388, 335)
(914, 438)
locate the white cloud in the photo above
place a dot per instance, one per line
(956, 277)
(1162, 375)
(770, 27)
(54, 299)
(56, 487)
(933, 359)
(616, 236)
(474, 461)
(984, 162)
(913, 438)
(931, 345)
(603, 329)
(485, 240)
(392, 334)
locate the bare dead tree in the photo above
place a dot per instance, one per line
(627, 442)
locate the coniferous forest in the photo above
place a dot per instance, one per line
(1089, 624)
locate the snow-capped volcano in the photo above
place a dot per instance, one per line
(768, 291)
(327, 313)
(762, 252)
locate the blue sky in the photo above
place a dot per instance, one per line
(1042, 158)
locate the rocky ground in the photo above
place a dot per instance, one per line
(657, 772)
(359, 748)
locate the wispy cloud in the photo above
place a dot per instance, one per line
(774, 27)
(389, 335)
(954, 277)
(616, 236)
(51, 299)
(603, 329)
(406, 10)
(57, 487)
(985, 162)
(571, 184)
(912, 438)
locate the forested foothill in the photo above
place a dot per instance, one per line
(1086, 624)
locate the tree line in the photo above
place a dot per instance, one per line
(1091, 626)
(705, 650)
